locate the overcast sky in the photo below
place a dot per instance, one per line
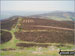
(37, 5)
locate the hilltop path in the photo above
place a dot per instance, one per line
(54, 27)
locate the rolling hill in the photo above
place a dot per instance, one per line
(57, 15)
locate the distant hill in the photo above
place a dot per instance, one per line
(57, 15)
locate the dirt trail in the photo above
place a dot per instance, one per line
(54, 27)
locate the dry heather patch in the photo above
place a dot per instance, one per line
(5, 36)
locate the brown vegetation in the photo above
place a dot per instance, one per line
(32, 45)
(7, 49)
(8, 24)
(5, 36)
(35, 34)
(50, 36)
(46, 22)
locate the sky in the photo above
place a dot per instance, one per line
(37, 5)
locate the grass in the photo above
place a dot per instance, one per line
(31, 51)
(59, 18)
(13, 41)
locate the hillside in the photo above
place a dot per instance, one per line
(40, 30)
(45, 30)
(8, 23)
(24, 35)
(57, 15)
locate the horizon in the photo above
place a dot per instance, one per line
(28, 8)
(9, 14)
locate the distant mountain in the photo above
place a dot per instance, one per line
(7, 14)
(57, 15)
